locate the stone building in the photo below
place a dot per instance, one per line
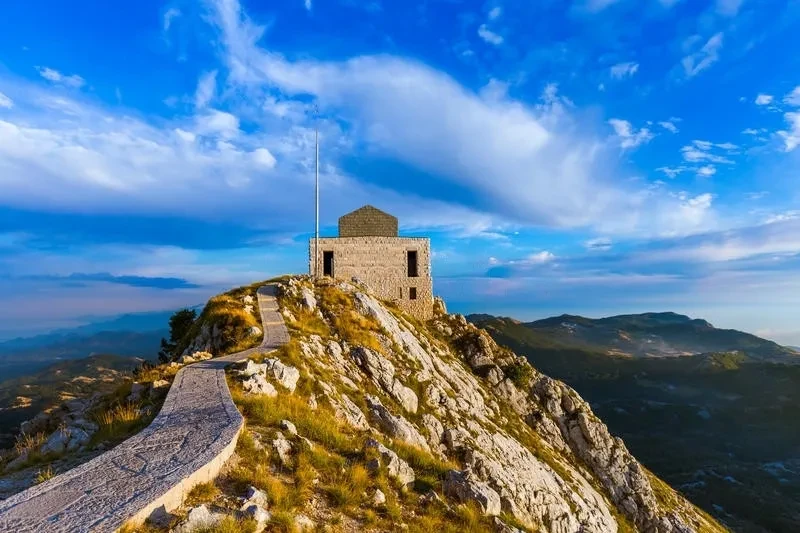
(368, 248)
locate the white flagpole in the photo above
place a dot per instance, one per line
(316, 201)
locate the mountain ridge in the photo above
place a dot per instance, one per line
(654, 334)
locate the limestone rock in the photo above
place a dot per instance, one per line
(395, 467)
(283, 448)
(308, 299)
(199, 518)
(254, 495)
(288, 426)
(304, 523)
(254, 331)
(285, 375)
(248, 299)
(258, 384)
(382, 371)
(379, 498)
(394, 426)
(464, 487)
(259, 514)
(349, 412)
(248, 308)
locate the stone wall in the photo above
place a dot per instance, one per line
(368, 221)
(381, 263)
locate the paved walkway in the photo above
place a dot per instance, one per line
(186, 444)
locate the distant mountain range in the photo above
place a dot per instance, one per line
(132, 335)
(646, 335)
(714, 412)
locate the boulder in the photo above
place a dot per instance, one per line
(248, 308)
(285, 375)
(202, 356)
(379, 498)
(248, 299)
(257, 513)
(465, 487)
(308, 299)
(254, 331)
(304, 523)
(254, 495)
(395, 467)
(382, 371)
(288, 426)
(258, 384)
(56, 442)
(283, 448)
(347, 411)
(393, 425)
(198, 518)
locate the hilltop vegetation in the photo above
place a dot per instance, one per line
(722, 427)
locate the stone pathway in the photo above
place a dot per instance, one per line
(193, 435)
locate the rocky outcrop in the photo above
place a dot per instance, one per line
(465, 487)
(395, 467)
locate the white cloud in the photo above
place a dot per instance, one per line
(206, 88)
(628, 136)
(489, 36)
(56, 77)
(540, 258)
(728, 8)
(700, 151)
(624, 70)
(669, 126)
(764, 99)
(706, 171)
(703, 58)
(753, 131)
(307, 4)
(170, 15)
(791, 136)
(672, 171)
(528, 163)
(263, 157)
(495, 12)
(793, 98)
(218, 122)
(6, 102)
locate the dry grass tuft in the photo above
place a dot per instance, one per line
(44, 474)
(348, 490)
(202, 493)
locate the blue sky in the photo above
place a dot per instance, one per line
(587, 156)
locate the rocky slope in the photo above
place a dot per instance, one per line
(456, 422)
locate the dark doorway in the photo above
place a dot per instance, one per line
(412, 293)
(327, 264)
(413, 272)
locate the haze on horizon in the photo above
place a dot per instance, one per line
(589, 157)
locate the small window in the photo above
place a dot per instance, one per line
(327, 263)
(412, 293)
(413, 271)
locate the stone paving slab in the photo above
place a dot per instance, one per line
(193, 435)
